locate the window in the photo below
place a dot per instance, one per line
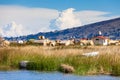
(97, 39)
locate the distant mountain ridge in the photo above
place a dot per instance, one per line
(110, 28)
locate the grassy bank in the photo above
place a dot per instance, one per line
(50, 58)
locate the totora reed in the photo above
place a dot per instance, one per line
(50, 58)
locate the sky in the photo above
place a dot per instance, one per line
(23, 17)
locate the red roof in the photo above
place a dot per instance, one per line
(101, 37)
(84, 39)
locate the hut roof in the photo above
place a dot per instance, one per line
(101, 37)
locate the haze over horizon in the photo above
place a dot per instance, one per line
(32, 16)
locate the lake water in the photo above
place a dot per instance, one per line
(34, 75)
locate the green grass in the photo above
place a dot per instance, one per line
(50, 59)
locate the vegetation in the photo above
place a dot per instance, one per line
(50, 58)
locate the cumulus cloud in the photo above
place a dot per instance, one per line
(66, 19)
(12, 29)
(70, 18)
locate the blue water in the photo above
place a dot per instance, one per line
(34, 75)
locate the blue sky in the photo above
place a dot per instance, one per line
(21, 17)
(103, 5)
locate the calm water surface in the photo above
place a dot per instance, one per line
(33, 75)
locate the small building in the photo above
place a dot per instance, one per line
(20, 41)
(43, 42)
(66, 42)
(86, 42)
(100, 40)
(41, 37)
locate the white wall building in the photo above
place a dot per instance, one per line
(100, 40)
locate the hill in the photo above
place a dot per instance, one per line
(110, 28)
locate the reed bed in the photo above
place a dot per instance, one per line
(50, 58)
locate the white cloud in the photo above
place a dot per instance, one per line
(66, 19)
(70, 18)
(34, 20)
(89, 16)
(12, 29)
